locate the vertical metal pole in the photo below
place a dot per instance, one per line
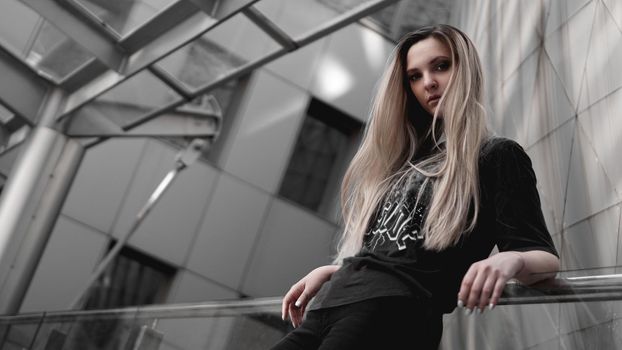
(31, 201)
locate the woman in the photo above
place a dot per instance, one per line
(424, 201)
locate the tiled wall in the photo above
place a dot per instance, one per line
(554, 85)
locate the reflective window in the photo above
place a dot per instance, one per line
(298, 17)
(122, 16)
(222, 50)
(408, 15)
(325, 145)
(43, 47)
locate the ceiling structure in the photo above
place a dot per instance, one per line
(99, 53)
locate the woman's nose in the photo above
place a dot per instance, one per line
(430, 83)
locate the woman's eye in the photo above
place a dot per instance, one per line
(415, 77)
(443, 66)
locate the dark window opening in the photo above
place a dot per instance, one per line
(132, 279)
(326, 142)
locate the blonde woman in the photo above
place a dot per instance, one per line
(426, 198)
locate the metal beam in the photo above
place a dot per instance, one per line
(167, 43)
(189, 31)
(164, 21)
(344, 20)
(166, 125)
(270, 28)
(82, 76)
(21, 90)
(94, 40)
(222, 9)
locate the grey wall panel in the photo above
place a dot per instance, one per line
(292, 243)
(102, 181)
(259, 151)
(229, 231)
(170, 228)
(71, 255)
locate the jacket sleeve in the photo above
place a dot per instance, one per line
(519, 223)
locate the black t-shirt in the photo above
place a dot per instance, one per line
(393, 262)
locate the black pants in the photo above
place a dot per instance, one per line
(386, 323)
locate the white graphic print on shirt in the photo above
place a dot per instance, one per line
(398, 221)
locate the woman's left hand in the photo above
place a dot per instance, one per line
(483, 283)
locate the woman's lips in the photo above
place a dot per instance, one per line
(434, 98)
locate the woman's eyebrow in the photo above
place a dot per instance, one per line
(432, 62)
(438, 58)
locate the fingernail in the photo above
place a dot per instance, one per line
(491, 306)
(467, 311)
(297, 303)
(480, 310)
(460, 303)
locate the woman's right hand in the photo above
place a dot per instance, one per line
(296, 300)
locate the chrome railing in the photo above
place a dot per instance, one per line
(212, 325)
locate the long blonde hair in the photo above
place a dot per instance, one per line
(397, 129)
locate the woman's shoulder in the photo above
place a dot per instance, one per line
(497, 148)
(505, 159)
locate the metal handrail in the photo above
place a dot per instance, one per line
(190, 310)
(558, 290)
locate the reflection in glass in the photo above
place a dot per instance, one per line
(131, 100)
(38, 43)
(298, 17)
(123, 16)
(227, 47)
(407, 15)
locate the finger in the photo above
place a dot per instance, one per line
(476, 289)
(296, 314)
(465, 286)
(302, 300)
(284, 306)
(496, 294)
(292, 314)
(487, 291)
(291, 297)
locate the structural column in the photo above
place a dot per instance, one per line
(31, 201)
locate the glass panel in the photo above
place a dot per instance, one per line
(298, 17)
(123, 16)
(231, 45)
(131, 100)
(13, 129)
(87, 332)
(38, 43)
(19, 335)
(407, 15)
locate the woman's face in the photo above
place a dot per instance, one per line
(428, 68)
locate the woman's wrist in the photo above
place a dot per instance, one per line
(522, 262)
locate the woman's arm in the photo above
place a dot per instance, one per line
(296, 300)
(484, 281)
